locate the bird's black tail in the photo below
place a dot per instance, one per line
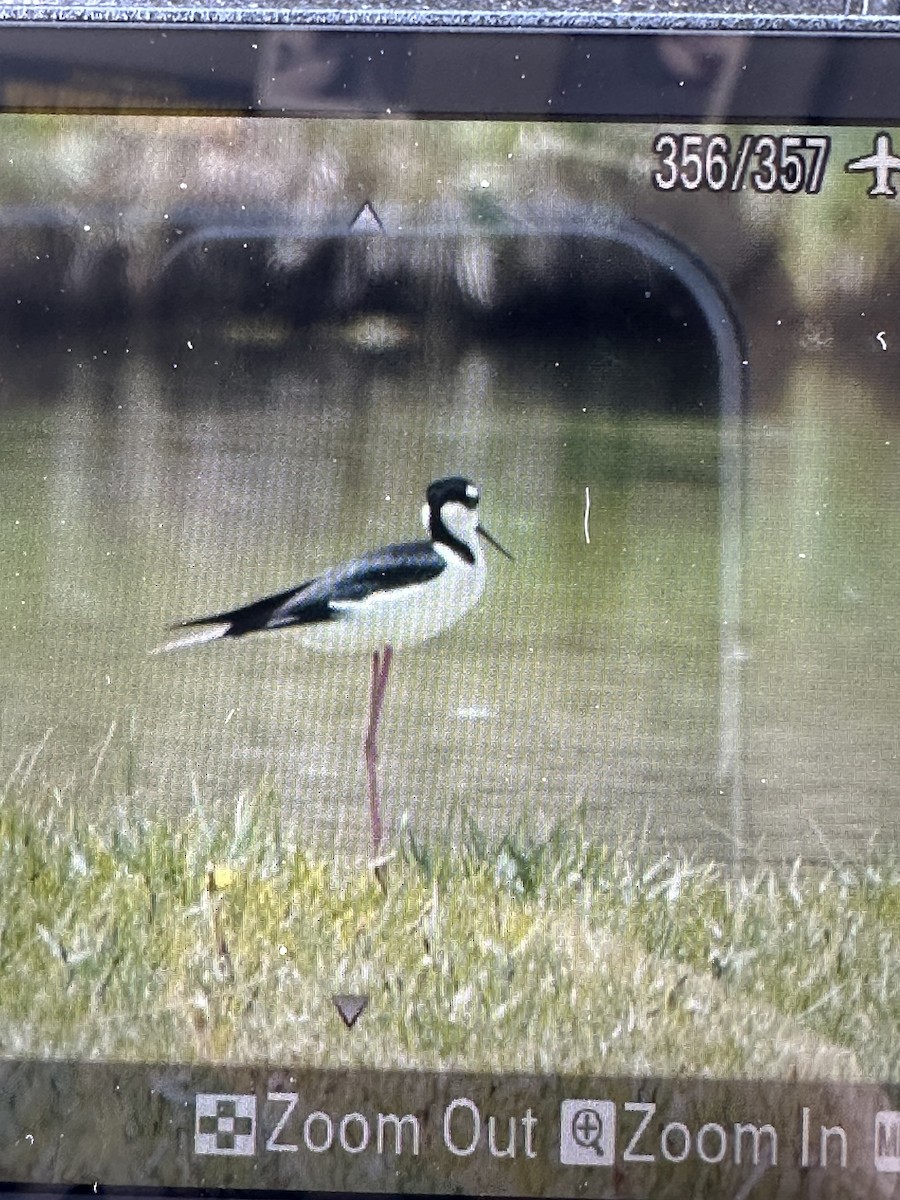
(249, 618)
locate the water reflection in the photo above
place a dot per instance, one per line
(136, 508)
(151, 488)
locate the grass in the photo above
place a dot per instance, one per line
(211, 939)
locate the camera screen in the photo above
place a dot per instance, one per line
(449, 655)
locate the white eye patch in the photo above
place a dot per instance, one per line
(471, 491)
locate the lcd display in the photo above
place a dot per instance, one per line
(624, 805)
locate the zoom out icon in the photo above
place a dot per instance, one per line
(587, 1133)
(225, 1124)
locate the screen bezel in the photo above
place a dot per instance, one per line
(462, 73)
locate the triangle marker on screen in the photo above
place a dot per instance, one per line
(366, 220)
(350, 1008)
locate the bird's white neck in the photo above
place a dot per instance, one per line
(454, 526)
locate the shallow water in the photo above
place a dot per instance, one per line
(137, 489)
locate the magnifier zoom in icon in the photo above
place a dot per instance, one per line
(587, 1134)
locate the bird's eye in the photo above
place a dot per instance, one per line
(471, 491)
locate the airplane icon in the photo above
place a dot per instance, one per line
(883, 163)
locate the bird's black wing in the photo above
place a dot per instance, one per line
(255, 616)
(327, 597)
(393, 567)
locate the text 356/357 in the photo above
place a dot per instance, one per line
(766, 162)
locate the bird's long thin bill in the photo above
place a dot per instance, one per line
(493, 541)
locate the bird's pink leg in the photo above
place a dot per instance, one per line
(381, 666)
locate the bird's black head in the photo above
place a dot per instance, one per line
(449, 516)
(455, 489)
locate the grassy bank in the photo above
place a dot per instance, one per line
(218, 939)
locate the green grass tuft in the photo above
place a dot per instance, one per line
(209, 938)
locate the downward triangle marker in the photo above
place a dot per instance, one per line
(350, 1008)
(366, 220)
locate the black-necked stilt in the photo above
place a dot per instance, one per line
(396, 596)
